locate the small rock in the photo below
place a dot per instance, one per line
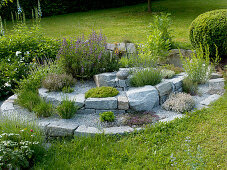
(110, 46)
(122, 75)
(123, 103)
(131, 48)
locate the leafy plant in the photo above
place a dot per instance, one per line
(56, 82)
(66, 109)
(101, 92)
(84, 58)
(67, 89)
(199, 67)
(158, 41)
(43, 109)
(189, 86)
(147, 76)
(107, 117)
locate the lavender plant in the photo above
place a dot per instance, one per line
(85, 58)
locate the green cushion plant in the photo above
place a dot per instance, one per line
(101, 92)
(107, 117)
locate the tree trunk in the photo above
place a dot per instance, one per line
(149, 5)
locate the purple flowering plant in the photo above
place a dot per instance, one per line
(85, 58)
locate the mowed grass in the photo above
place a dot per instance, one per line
(198, 141)
(130, 22)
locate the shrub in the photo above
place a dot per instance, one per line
(107, 117)
(158, 41)
(83, 59)
(148, 76)
(210, 29)
(167, 74)
(199, 67)
(56, 82)
(189, 86)
(67, 89)
(180, 102)
(19, 50)
(101, 92)
(43, 109)
(30, 42)
(66, 109)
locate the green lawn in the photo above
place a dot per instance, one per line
(131, 22)
(197, 141)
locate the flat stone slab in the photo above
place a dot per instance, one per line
(61, 128)
(86, 131)
(217, 83)
(143, 98)
(172, 118)
(215, 76)
(117, 130)
(108, 103)
(210, 99)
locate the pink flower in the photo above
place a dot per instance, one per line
(31, 130)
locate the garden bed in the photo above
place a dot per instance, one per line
(133, 107)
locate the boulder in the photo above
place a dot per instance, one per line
(143, 98)
(108, 103)
(174, 56)
(105, 79)
(131, 48)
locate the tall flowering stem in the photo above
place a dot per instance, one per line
(85, 58)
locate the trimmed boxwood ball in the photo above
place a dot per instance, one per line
(101, 92)
(210, 29)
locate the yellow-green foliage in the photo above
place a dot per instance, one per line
(210, 29)
(100, 92)
(107, 117)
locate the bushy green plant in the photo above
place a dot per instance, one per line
(167, 74)
(101, 92)
(67, 109)
(199, 67)
(67, 89)
(158, 41)
(107, 117)
(30, 42)
(19, 50)
(210, 29)
(43, 109)
(84, 58)
(56, 82)
(189, 86)
(147, 76)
